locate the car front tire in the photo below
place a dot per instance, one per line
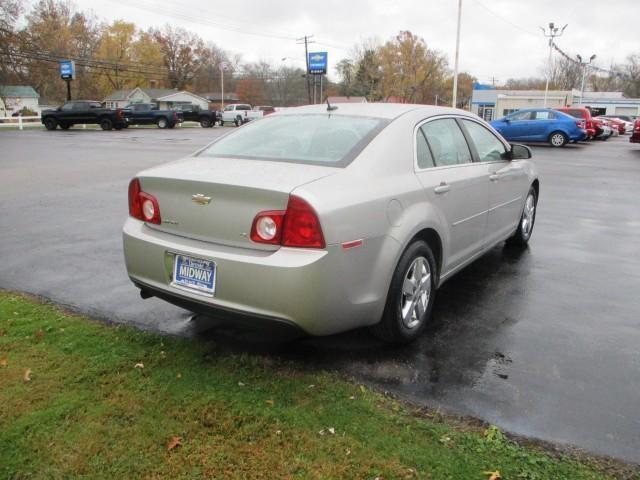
(558, 139)
(106, 124)
(50, 124)
(527, 220)
(205, 123)
(411, 296)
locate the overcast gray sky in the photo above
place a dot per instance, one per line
(500, 38)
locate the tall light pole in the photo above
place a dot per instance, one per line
(223, 67)
(553, 33)
(584, 65)
(454, 100)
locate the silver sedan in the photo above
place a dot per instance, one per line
(329, 218)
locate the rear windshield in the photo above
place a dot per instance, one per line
(576, 113)
(321, 139)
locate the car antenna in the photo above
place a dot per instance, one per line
(330, 108)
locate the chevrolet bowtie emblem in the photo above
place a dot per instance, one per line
(200, 199)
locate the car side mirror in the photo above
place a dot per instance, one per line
(520, 152)
(506, 120)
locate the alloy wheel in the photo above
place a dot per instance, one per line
(528, 216)
(416, 290)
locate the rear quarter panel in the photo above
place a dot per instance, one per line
(379, 199)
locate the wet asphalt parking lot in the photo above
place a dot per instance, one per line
(543, 342)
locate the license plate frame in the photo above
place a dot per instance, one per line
(196, 279)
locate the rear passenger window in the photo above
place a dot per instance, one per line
(447, 143)
(489, 148)
(544, 115)
(425, 159)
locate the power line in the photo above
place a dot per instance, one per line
(506, 20)
(236, 28)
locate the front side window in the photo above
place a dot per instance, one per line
(489, 148)
(67, 107)
(81, 106)
(322, 139)
(447, 142)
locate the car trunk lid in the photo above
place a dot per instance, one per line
(216, 199)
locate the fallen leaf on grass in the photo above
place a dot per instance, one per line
(270, 402)
(493, 475)
(4, 362)
(27, 375)
(174, 442)
(139, 365)
(179, 375)
(240, 384)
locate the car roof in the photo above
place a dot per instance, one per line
(380, 110)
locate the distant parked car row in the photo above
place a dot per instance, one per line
(90, 112)
(560, 126)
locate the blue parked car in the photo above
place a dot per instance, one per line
(540, 125)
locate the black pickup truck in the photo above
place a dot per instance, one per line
(193, 113)
(84, 112)
(149, 114)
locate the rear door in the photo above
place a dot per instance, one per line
(506, 179)
(81, 114)
(542, 125)
(455, 185)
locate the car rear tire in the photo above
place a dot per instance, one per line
(527, 220)
(205, 123)
(106, 124)
(162, 122)
(558, 139)
(411, 296)
(50, 123)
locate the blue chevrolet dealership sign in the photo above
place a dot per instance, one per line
(67, 69)
(318, 63)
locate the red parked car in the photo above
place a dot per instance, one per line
(583, 113)
(635, 135)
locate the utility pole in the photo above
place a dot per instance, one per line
(306, 40)
(454, 100)
(223, 66)
(584, 65)
(553, 33)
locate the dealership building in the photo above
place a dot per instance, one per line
(490, 103)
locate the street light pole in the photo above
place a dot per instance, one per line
(584, 65)
(454, 100)
(553, 33)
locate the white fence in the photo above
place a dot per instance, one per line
(20, 122)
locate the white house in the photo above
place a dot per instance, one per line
(165, 98)
(14, 98)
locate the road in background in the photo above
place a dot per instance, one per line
(542, 342)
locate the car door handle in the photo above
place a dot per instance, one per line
(442, 188)
(494, 177)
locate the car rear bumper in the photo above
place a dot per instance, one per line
(318, 291)
(578, 136)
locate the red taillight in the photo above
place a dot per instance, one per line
(298, 226)
(142, 205)
(119, 113)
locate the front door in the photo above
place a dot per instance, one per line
(455, 185)
(506, 179)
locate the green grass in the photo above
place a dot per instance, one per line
(89, 412)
